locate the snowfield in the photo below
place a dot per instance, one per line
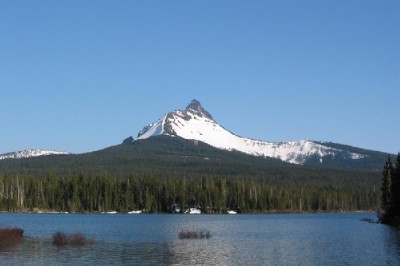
(30, 153)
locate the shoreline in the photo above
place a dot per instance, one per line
(168, 213)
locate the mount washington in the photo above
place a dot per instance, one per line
(195, 123)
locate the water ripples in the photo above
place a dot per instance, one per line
(307, 239)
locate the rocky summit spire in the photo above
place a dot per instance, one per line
(196, 108)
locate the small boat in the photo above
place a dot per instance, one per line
(111, 212)
(194, 211)
(134, 212)
(232, 212)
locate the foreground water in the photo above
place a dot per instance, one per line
(279, 239)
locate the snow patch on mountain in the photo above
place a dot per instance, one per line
(154, 129)
(196, 123)
(30, 153)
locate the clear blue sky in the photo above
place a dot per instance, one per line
(80, 76)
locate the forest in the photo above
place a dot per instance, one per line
(390, 201)
(160, 173)
(82, 194)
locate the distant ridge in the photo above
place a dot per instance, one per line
(30, 153)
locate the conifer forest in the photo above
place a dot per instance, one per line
(390, 202)
(160, 195)
(161, 174)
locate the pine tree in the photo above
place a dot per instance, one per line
(386, 187)
(395, 190)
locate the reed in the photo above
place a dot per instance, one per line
(76, 239)
(10, 236)
(194, 234)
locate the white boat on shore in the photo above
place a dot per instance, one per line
(194, 211)
(135, 212)
(232, 212)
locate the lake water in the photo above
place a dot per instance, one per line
(276, 239)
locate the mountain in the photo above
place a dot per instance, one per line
(30, 153)
(191, 140)
(195, 123)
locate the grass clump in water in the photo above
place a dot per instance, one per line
(10, 236)
(194, 234)
(76, 239)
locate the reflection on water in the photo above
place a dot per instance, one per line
(392, 245)
(35, 251)
(303, 239)
(189, 252)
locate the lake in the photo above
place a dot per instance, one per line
(275, 239)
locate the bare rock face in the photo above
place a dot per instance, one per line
(196, 108)
(128, 140)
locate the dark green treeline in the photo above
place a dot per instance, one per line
(158, 195)
(390, 202)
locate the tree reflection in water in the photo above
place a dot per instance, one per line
(392, 244)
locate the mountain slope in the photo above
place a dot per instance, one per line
(164, 156)
(161, 155)
(30, 153)
(165, 170)
(197, 124)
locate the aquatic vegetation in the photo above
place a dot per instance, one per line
(10, 236)
(76, 239)
(369, 220)
(194, 234)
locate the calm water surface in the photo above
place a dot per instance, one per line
(278, 239)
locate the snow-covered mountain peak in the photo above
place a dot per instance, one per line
(171, 122)
(197, 124)
(195, 108)
(30, 153)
